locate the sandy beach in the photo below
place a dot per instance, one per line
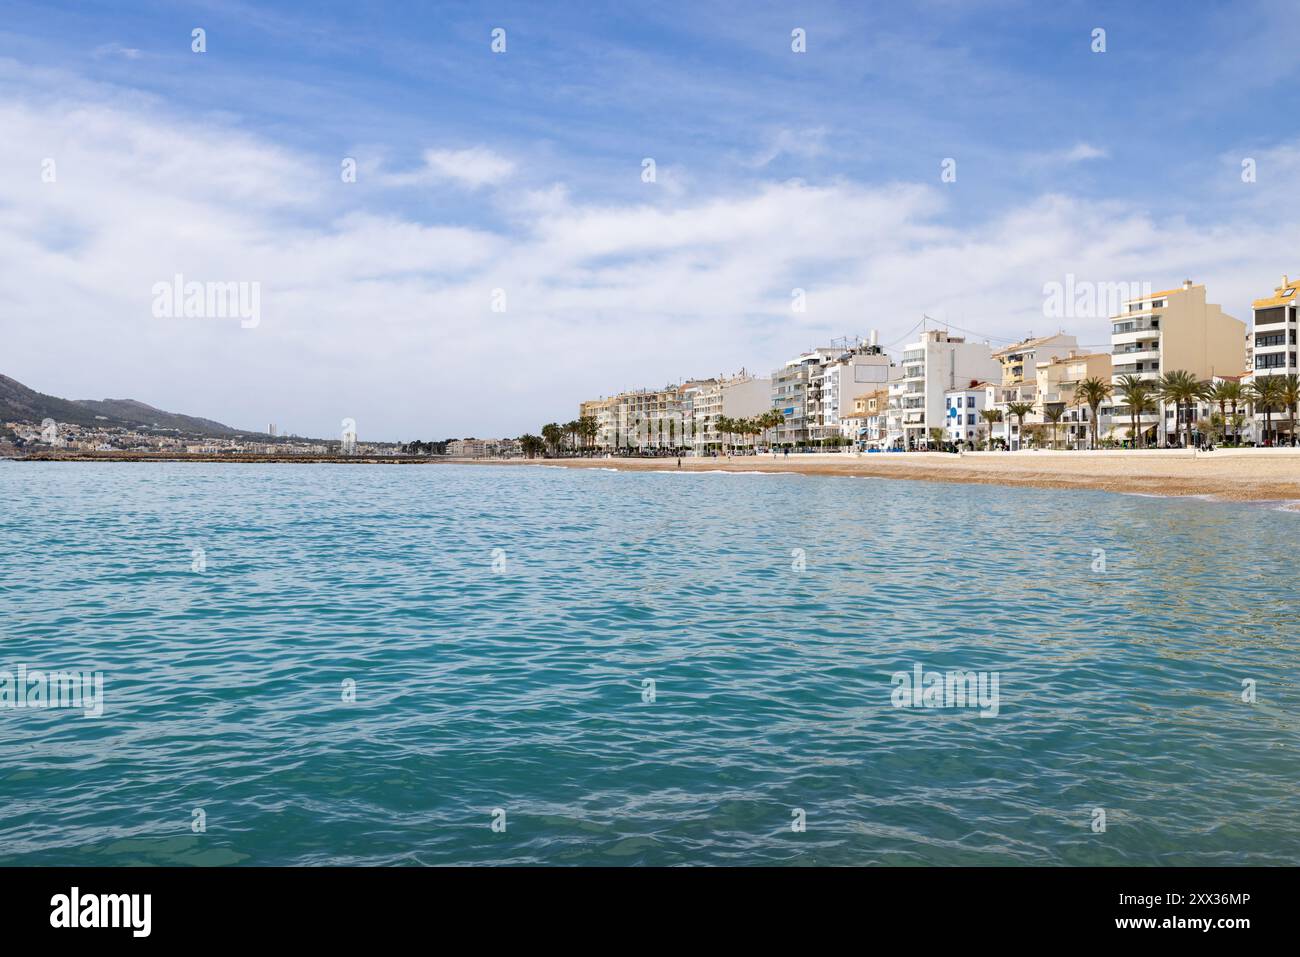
(1247, 475)
(1229, 474)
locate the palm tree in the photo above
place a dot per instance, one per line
(588, 428)
(1020, 410)
(1092, 392)
(1266, 397)
(553, 433)
(936, 437)
(722, 425)
(1222, 393)
(773, 419)
(1054, 414)
(1181, 390)
(990, 416)
(1136, 394)
(1236, 393)
(571, 429)
(531, 445)
(1289, 398)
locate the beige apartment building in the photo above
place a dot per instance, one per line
(1019, 383)
(605, 412)
(1058, 378)
(741, 396)
(1171, 330)
(866, 425)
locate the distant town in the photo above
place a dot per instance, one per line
(21, 439)
(1179, 372)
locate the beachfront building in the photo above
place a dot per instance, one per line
(741, 396)
(467, 448)
(1272, 350)
(1168, 331)
(815, 390)
(1058, 379)
(963, 424)
(1019, 382)
(932, 365)
(865, 426)
(605, 413)
(650, 418)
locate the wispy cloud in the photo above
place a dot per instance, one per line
(118, 50)
(472, 168)
(1080, 152)
(804, 144)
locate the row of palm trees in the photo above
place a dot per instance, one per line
(729, 428)
(1183, 391)
(581, 433)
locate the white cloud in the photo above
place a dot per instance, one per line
(474, 167)
(372, 313)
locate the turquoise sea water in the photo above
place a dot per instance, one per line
(517, 680)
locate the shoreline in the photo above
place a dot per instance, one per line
(1236, 475)
(1263, 475)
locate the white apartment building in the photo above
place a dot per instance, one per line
(1168, 331)
(963, 424)
(1272, 346)
(932, 365)
(817, 389)
(742, 396)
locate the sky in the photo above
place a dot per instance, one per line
(502, 251)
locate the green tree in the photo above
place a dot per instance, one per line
(1289, 398)
(991, 416)
(553, 433)
(588, 428)
(1053, 414)
(1136, 394)
(1020, 410)
(1092, 392)
(1182, 390)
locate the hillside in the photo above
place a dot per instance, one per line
(19, 403)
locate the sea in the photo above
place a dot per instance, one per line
(288, 664)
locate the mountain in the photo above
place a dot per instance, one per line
(21, 404)
(137, 413)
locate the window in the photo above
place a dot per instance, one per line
(970, 418)
(1277, 360)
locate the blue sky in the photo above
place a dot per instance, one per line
(522, 171)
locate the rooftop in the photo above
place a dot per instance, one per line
(1282, 295)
